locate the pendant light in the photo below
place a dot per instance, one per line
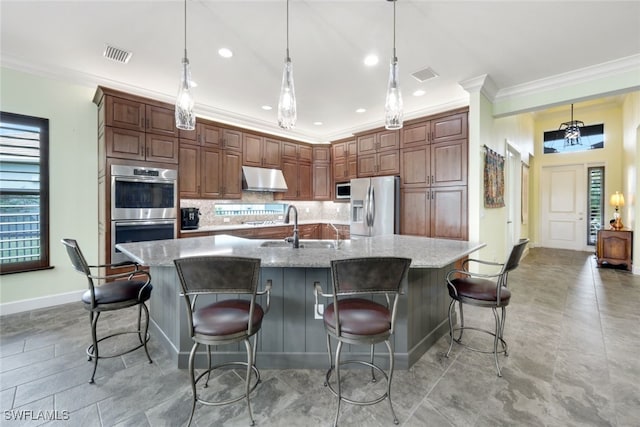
(393, 114)
(572, 130)
(287, 113)
(185, 117)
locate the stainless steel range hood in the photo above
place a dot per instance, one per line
(262, 179)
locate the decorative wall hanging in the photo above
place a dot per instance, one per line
(493, 179)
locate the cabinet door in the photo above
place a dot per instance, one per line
(388, 140)
(388, 163)
(338, 150)
(161, 120)
(124, 143)
(321, 181)
(305, 181)
(232, 174)
(449, 163)
(124, 113)
(252, 150)
(289, 150)
(209, 135)
(352, 167)
(449, 212)
(415, 166)
(415, 212)
(211, 172)
(448, 128)
(352, 147)
(309, 231)
(416, 134)
(290, 172)
(271, 153)
(366, 144)
(366, 165)
(189, 170)
(305, 153)
(232, 139)
(191, 135)
(321, 154)
(340, 169)
(161, 148)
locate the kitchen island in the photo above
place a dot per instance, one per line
(292, 336)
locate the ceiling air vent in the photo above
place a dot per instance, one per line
(424, 74)
(117, 54)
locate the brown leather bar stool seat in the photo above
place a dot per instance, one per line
(121, 290)
(352, 319)
(483, 290)
(219, 322)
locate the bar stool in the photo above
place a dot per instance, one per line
(483, 290)
(352, 319)
(115, 294)
(225, 321)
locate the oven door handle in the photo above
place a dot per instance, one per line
(154, 180)
(153, 222)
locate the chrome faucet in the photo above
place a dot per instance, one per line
(337, 235)
(295, 239)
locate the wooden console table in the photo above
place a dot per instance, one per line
(614, 247)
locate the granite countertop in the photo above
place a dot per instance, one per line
(206, 228)
(424, 252)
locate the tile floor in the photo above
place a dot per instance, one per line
(573, 331)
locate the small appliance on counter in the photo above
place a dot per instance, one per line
(190, 218)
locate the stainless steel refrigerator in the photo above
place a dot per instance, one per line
(375, 206)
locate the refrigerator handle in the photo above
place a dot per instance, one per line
(367, 207)
(372, 206)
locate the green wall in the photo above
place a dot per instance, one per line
(73, 184)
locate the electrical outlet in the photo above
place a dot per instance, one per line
(306, 210)
(226, 220)
(318, 309)
(337, 208)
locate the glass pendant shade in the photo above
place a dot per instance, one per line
(185, 117)
(287, 114)
(393, 111)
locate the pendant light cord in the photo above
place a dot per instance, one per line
(185, 28)
(288, 30)
(394, 31)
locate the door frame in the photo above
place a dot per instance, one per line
(513, 194)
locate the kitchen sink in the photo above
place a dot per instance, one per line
(304, 244)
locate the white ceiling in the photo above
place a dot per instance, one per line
(515, 42)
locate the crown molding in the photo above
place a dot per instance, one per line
(581, 75)
(483, 84)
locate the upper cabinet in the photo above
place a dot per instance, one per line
(136, 129)
(260, 151)
(433, 130)
(344, 160)
(321, 172)
(378, 153)
(296, 151)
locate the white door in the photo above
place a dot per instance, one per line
(563, 203)
(513, 195)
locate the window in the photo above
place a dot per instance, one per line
(24, 193)
(595, 198)
(591, 138)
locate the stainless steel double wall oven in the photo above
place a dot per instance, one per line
(144, 205)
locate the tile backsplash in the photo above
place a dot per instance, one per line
(308, 211)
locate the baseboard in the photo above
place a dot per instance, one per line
(40, 302)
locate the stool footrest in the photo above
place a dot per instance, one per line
(357, 402)
(231, 399)
(486, 331)
(91, 353)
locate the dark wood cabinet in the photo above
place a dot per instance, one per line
(615, 247)
(161, 148)
(441, 164)
(124, 113)
(296, 151)
(378, 153)
(439, 212)
(299, 178)
(321, 173)
(260, 151)
(160, 120)
(327, 232)
(344, 160)
(211, 165)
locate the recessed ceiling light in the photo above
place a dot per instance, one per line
(225, 53)
(317, 123)
(419, 92)
(371, 60)
(267, 107)
(360, 110)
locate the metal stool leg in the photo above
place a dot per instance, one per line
(192, 378)
(337, 368)
(373, 375)
(502, 321)
(326, 381)
(390, 376)
(143, 306)
(206, 383)
(451, 308)
(247, 389)
(94, 347)
(496, 338)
